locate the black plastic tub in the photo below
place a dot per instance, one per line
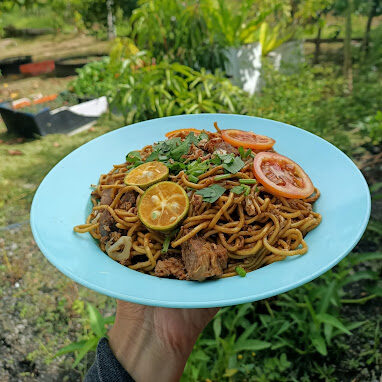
(11, 65)
(42, 123)
(67, 66)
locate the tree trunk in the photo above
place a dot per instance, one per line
(111, 32)
(370, 17)
(347, 47)
(317, 46)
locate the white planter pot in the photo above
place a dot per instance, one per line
(244, 66)
(288, 56)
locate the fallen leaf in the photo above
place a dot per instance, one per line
(20, 140)
(56, 144)
(92, 129)
(15, 152)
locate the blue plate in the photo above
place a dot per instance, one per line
(62, 201)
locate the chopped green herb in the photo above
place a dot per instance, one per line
(211, 194)
(166, 244)
(216, 160)
(248, 181)
(203, 136)
(220, 177)
(240, 271)
(226, 158)
(193, 179)
(167, 240)
(134, 157)
(236, 165)
(198, 167)
(175, 166)
(241, 189)
(244, 154)
(153, 156)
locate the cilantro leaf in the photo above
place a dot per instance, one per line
(134, 158)
(226, 158)
(216, 160)
(233, 167)
(241, 189)
(175, 166)
(212, 193)
(197, 167)
(244, 154)
(203, 136)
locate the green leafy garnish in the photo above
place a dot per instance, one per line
(212, 193)
(167, 240)
(175, 166)
(235, 166)
(166, 244)
(203, 136)
(226, 158)
(134, 157)
(240, 271)
(197, 167)
(193, 179)
(248, 181)
(221, 177)
(241, 189)
(244, 154)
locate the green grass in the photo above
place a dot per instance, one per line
(20, 175)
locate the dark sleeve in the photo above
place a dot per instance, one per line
(106, 367)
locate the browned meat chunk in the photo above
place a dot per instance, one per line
(128, 197)
(171, 267)
(218, 144)
(106, 196)
(106, 221)
(203, 259)
(196, 202)
(127, 200)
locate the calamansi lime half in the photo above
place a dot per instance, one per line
(147, 174)
(163, 206)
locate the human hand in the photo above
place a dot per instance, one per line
(153, 343)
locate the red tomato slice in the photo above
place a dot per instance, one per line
(183, 131)
(281, 176)
(247, 139)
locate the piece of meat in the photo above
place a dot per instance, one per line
(218, 144)
(196, 202)
(127, 200)
(106, 221)
(171, 267)
(203, 259)
(195, 152)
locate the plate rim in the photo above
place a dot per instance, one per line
(210, 303)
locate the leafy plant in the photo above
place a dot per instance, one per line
(98, 329)
(176, 31)
(270, 39)
(279, 339)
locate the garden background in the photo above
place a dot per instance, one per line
(168, 57)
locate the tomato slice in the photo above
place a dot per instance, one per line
(247, 139)
(182, 132)
(281, 176)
